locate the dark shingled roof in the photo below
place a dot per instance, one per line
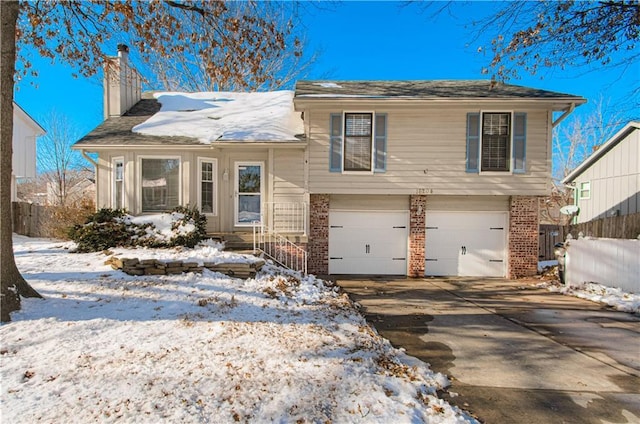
(436, 89)
(117, 130)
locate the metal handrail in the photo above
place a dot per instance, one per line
(278, 248)
(285, 217)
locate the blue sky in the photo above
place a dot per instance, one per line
(358, 41)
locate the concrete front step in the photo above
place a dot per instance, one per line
(234, 241)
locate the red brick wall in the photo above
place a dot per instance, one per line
(523, 236)
(318, 251)
(417, 230)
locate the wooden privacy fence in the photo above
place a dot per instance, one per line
(616, 227)
(549, 236)
(28, 219)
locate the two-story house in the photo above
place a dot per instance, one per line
(23, 158)
(373, 177)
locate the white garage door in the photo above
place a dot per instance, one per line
(362, 242)
(467, 244)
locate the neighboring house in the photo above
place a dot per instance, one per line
(607, 183)
(23, 161)
(81, 189)
(376, 177)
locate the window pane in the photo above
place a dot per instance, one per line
(207, 189)
(118, 184)
(249, 179)
(248, 208)
(160, 184)
(357, 142)
(119, 171)
(207, 171)
(206, 197)
(118, 194)
(496, 141)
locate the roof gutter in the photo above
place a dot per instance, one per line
(562, 117)
(89, 158)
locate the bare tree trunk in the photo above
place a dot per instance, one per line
(13, 285)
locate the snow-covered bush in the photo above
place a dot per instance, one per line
(115, 228)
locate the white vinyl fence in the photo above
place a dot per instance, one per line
(610, 262)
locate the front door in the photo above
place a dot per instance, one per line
(248, 192)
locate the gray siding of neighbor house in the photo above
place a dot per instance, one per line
(615, 182)
(426, 151)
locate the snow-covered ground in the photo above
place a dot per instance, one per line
(612, 296)
(104, 347)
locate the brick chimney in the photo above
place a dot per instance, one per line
(122, 84)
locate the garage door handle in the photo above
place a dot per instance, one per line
(464, 250)
(337, 226)
(399, 226)
(367, 248)
(496, 260)
(431, 260)
(496, 228)
(431, 228)
(398, 259)
(334, 258)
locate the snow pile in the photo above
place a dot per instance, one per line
(225, 116)
(612, 296)
(164, 227)
(104, 346)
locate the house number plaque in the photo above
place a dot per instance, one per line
(424, 191)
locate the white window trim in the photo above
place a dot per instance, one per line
(236, 171)
(139, 177)
(114, 161)
(213, 161)
(373, 138)
(511, 124)
(582, 190)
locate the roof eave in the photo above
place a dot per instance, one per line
(558, 103)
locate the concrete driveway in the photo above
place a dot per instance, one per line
(514, 353)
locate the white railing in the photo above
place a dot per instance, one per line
(278, 248)
(285, 217)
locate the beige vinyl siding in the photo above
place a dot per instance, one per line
(468, 203)
(426, 152)
(284, 177)
(615, 182)
(368, 202)
(288, 175)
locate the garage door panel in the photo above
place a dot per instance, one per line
(465, 244)
(368, 242)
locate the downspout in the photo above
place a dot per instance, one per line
(562, 117)
(89, 158)
(95, 172)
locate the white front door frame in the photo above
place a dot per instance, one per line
(250, 216)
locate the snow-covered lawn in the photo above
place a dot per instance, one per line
(106, 347)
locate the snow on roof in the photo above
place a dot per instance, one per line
(225, 116)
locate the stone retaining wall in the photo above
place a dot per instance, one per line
(134, 266)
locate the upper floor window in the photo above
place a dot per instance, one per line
(585, 190)
(160, 184)
(496, 142)
(358, 142)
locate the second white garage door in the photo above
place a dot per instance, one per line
(368, 242)
(467, 244)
